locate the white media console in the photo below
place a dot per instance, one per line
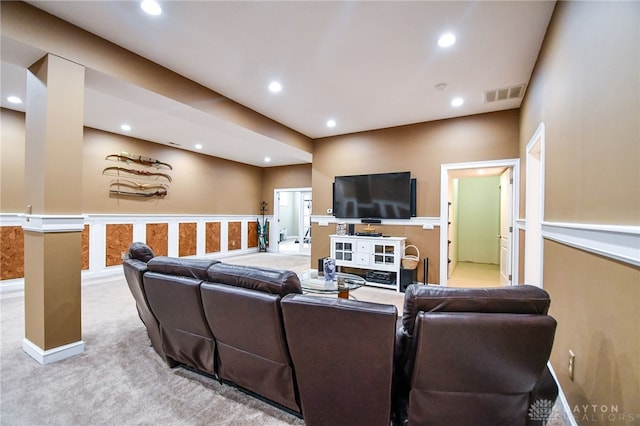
(377, 254)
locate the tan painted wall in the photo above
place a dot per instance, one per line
(420, 149)
(12, 145)
(595, 302)
(297, 176)
(52, 295)
(586, 90)
(201, 184)
(54, 123)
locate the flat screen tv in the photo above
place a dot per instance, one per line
(379, 196)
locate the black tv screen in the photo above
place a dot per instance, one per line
(382, 196)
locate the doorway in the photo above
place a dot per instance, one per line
(478, 210)
(291, 228)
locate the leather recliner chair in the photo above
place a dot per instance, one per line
(135, 266)
(172, 286)
(242, 309)
(472, 356)
(343, 354)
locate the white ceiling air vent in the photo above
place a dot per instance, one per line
(513, 92)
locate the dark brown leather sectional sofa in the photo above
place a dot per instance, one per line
(456, 356)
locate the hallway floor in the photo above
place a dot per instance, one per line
(469, 274)
(290, 246)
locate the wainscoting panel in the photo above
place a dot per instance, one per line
(188, 233)
(212, 237)
(119, 238)
(106, 237)
(158, 238)
(253, 235)
(235, 235)
(12, 256)
(86, 235)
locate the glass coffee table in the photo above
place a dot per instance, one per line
(341, 285)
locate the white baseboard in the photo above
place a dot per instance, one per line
(567, 413)
(52, 355)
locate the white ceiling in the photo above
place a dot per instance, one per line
(366, 64)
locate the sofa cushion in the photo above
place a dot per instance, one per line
(342, 351)
(488, 363)
(134, 270)
(193, 268)
(176, 302)
(274, 281)
(250, 340)
(523, 299)
(140, 251)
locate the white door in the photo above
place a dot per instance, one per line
(305, 223)
(506, 228)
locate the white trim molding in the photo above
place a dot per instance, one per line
(617, 242)
(53, 223)
(52, 355)
(424, 222)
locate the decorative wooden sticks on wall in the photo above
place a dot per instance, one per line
(126, 187)
(139, 159)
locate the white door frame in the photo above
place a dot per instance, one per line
(513, 163)
(534, 208)
(274, 229)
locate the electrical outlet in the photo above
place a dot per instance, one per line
(572, 364)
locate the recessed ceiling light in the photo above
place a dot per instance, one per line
(14, 99)
(456, 102)
(267, 159)
(151, 7)
(275, 87)
(331, 123)
(446, 40)
(481, 172)
(125, 127)
(198, 146)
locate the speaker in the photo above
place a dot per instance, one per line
(407, 277)
(413, 197)
(321, 266)
(371, 220)
(352, 229)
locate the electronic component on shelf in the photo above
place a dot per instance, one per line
(369, 234)
(380, 277)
